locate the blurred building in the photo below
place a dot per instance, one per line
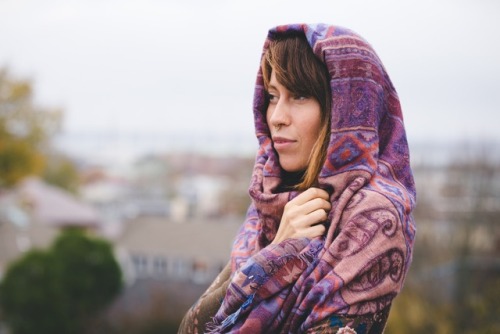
(32, 214)
(172, 220)
(193, 251)
(454, 279)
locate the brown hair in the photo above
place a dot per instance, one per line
(304, 74)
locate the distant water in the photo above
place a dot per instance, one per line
(439, 153)
(119, 145)
(128, 146)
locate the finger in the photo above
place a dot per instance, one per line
(310, 194)
(311, 219)
(315, 231)
(315, 204)
(295, 212)
(317, 216)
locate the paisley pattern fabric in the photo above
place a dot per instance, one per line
(359, 266)
(360, 324)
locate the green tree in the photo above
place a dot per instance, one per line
(59, 290)
(29, 295)
(89, 273)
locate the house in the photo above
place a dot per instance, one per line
(152, 247)
(32, 214)
(167, 265)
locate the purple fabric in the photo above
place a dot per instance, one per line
(359, 266)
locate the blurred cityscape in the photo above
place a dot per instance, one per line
(171, 215)
(172, 218)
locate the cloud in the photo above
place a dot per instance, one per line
(179, 66)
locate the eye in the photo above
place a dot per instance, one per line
(272, 98)
(300, 97)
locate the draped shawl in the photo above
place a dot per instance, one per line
(359, 266)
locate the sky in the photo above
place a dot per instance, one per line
(187, 67)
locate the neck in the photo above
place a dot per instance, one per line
(289, 180)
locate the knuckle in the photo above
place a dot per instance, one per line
(318, 201)
(322, 215)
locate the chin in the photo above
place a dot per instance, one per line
(292, 163)
(292, 167)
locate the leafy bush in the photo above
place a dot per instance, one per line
(59, 290)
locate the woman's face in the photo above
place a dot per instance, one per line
(295, 123)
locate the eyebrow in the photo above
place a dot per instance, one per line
(271, 87)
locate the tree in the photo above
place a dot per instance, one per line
(89, 274)
(60, 171)
(25, 130)
(60, 289)
(29, 295)
(26, 133)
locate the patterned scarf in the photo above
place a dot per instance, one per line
(359, 266)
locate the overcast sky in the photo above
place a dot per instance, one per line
(188, 66)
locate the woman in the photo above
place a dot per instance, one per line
(328, 238)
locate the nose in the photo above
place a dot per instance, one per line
(279, 113)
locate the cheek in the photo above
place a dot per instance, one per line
(267, 114)
(312, 128)
(312, 136)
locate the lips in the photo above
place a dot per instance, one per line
(281, 143)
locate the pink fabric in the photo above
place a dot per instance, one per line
(360, 265)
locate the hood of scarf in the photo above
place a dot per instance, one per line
(360, 265)
(367, 145)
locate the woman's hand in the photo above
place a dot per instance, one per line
(303, 215)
